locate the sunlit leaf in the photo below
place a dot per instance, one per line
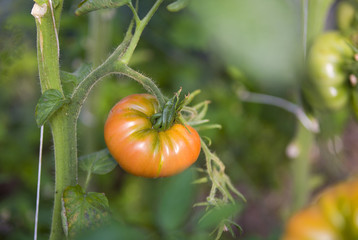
(91, 5)
(178, 5)
(83, 211)
(50, 101)
(100, 162)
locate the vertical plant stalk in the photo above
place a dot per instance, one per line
(314, 15)
(300, 151)
(63, 125)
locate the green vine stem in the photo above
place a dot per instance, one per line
(62, 125)
(146, 82)
(111, 66)
(300, 152)
(140, 25)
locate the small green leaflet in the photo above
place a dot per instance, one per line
(177, 5)
(83, 211)
(91, 5)
(99, 162)
(50, 101)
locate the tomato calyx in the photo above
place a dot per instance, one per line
(169, 114)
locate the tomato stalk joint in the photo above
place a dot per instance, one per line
(164, 119)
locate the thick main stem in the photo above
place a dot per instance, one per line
(64, 137)
(63, 125)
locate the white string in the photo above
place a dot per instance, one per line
(38, 183)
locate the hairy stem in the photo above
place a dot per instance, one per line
(81, 92)
(63, 128)
(140, 25)
(146, 82)
(64, 137)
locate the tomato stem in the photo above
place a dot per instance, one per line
(140, 25)
(63, 129)
(169, 113)
(146, 82)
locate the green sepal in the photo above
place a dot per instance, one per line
(87, 6)
(100, 162)
(83, 211)
(163, 120)
(50, 101)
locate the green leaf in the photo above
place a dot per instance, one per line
(83, 71)
(50, 101)
(115, 231)
(91, 5)
(177, 195)
(216, 215)
(71, 80)
(99, 162)
(177, 5)
(83, 211)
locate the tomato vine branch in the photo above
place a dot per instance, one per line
(146, 82)
(140, 25)
(310, 124)
(83, 89)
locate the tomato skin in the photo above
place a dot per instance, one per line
(326, 87)
(345, 16)
(333, 215)
(142, 150)
(309, 225)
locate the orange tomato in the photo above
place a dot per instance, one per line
(332, 216)
(142, 150)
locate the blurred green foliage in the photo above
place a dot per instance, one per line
(191, 49)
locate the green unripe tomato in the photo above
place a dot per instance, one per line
(326, 87)
(345, 16)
